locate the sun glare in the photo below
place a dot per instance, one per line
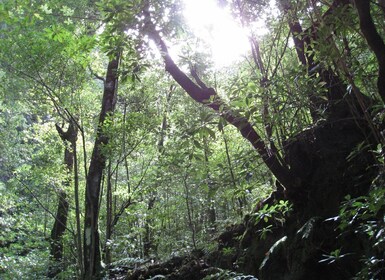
(214, 25)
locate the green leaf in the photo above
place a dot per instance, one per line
(67, 11)
(198, 145)
(45, 8)
(205, 131)
(252, 87)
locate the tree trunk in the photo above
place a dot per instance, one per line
(374, 41)
(149, 245)
(189, 207)
(210, 210)
(233, 180)
(109, 209)
(148, 239)
(77, 214)
(69, 138)
(92, 258)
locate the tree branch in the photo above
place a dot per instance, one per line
(198, 80)
(374, 41)
(96, 75)
(209, 98)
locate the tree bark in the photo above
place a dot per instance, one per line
(109, 215)
(92, 258)
(77, 214)
(302, 42)
(148, 239)
(374, 41)
(69, 138)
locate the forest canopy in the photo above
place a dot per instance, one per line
(192, 139)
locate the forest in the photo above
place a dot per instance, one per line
(192, 139)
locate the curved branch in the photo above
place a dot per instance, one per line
(374, 41)
(209, 98)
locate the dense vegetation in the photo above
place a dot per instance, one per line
(124, 151)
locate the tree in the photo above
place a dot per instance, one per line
(92, 258)
(69, 138)
(374, 41)
(303, 41)
(167, 171)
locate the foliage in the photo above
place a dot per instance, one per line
(22, 254)
(176, 174)
(274, 213)
(229, 275)
(364, 215)
(334, 256)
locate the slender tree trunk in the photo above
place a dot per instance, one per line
(211, 213)
(113, 216)
(92, 258)
(190, 213)
(77, 213)
(109, 216)
(148, 239)
(149, 245)
(233, 180)
(69, 138)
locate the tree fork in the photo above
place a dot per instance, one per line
(92, 258)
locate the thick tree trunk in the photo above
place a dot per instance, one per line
(69, 138)
(92, 258)
(56, 250)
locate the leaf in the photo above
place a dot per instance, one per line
(68, 21)
(67, 11)
(239, 102)
(46, 9)
(252, 87)
(198, 145)
(273, 249)
(38, 16)
(207, 131)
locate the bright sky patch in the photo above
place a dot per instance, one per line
(214, 25)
